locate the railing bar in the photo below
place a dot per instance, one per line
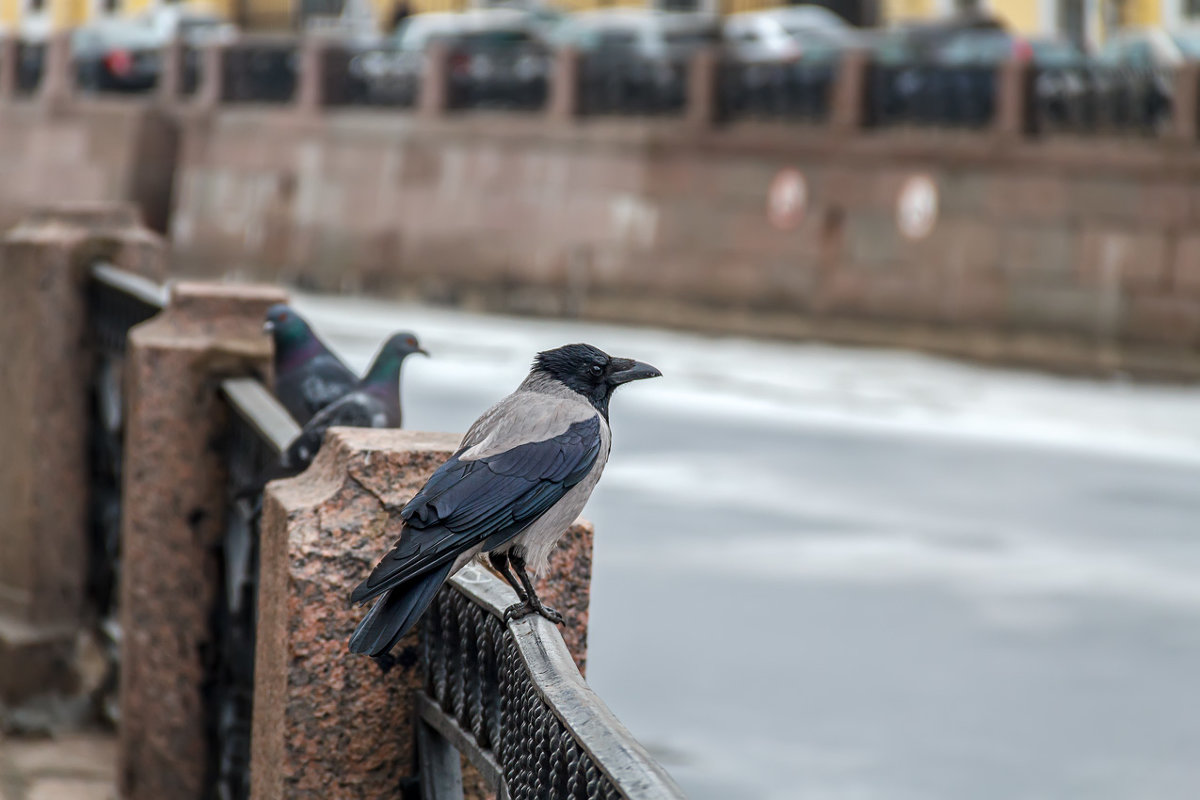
(259, 409)
(144, 289)
(555, 677)
(431, 713)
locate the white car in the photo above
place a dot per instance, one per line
(785, 34)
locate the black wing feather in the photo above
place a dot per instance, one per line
(355, 410)
(488, 500)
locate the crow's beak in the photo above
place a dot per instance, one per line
(630, 370)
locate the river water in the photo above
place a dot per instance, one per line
(843, 573)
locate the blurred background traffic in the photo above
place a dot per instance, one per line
(1095, 64)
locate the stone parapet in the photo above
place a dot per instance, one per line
(328, 723)
(47, 373)
(173, 497)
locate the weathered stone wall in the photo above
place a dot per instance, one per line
(1078, 253)
(93, 151)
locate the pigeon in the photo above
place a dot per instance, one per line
(519, 478)
(308, 376)
(373, 403)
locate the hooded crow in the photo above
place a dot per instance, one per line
(373, 403)
(520, 477)
(308, 376)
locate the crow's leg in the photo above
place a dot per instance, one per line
(500, 562)
(531, 605)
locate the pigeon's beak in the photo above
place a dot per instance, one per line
(423, 352)
(268, 327)
(630, 370)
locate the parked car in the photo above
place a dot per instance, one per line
(494, 54)
(116, 55)
(195, 25)
(1147, 48)
(773, 36)
(649, 35)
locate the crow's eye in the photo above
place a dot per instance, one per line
(597, 370)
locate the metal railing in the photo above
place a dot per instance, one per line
(1094, 99)
(796, 90)
(931, 95)
(31, 63)
(260, 429)
(260, 71)
(383, 76)
(509, 698)
(117, 300)
(511, 79)
(630, 84)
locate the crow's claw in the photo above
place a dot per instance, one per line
(518, 610)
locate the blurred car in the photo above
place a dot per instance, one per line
(1147, 48)
(494, 50)
(772, 36)
(649, 35)
(116, 55)
(195, 25)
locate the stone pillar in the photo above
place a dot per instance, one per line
(1185, 108)
(211, 90)
(173, 508)
(310, 89)
(46, 371)
(564, 86)
(8, 68)
(1013, 116)
(848, 110)
(702, 109)
(433, 94)
(170, 77)
(328, 723)
(57, 86)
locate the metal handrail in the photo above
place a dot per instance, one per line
(609, 761)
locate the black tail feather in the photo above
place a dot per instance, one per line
(396, 612)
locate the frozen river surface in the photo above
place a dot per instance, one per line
(833, 573)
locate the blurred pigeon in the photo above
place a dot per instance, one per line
(374, 403)
(308, 376)
(521, 475)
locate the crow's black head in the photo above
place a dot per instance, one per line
(591, 372)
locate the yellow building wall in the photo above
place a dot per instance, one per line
(908, 10)
(1023, 16)
(1136, 13)
(8, 12)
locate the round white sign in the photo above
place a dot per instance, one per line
(917, 207)
(786, 199)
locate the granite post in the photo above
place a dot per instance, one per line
(173, 502)
(57, 86)
(310, 89)
(433, 93)
(703, 110)
(1014, 83)
(46, 373)
(328, 723)
(8, 67)
(1185, 103)
(211, 90)
(849, 105)
(170, 77)
(563, 105)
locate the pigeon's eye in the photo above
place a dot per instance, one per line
(597, 370)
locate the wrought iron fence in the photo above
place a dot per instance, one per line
(1091, 99)
(628, 83)
(795, 90)
(922, 94)
(255, 71)
(190, 68)
(509, 698)
(117, 300)
(31, 63)
(259, 431)
(512, 79)
(378, 76)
